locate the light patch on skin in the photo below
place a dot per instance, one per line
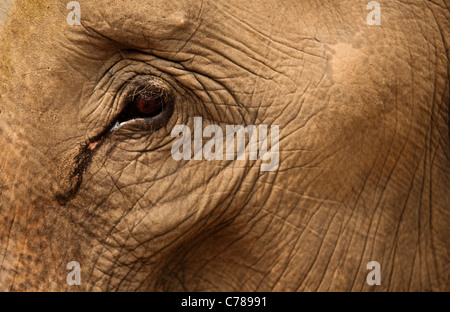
(347, 63)
(5, 7)
(5, 66)
(93, 145)
(35, 9)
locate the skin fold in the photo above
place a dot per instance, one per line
(364, 171)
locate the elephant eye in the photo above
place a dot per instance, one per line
(142, 106)
(148, 105)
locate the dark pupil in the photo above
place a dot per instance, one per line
(142, 106)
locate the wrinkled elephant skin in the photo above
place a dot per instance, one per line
(364, 149)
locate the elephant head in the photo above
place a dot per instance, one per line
(92, 97)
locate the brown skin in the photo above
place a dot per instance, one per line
(364, 147)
